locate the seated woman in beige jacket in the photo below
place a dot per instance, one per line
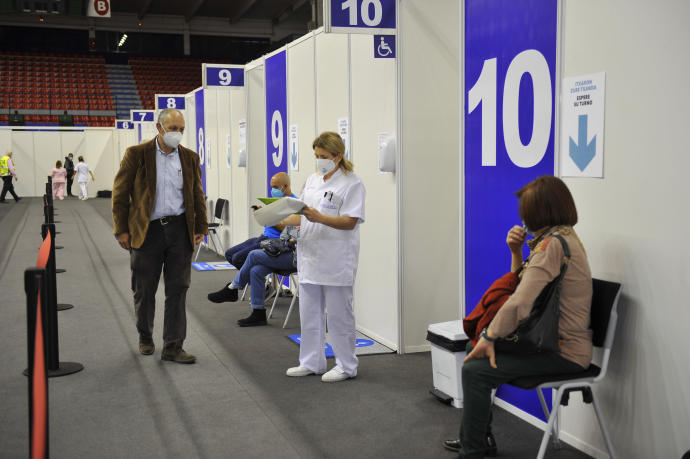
(546, 208)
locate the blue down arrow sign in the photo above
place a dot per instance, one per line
(583, 153)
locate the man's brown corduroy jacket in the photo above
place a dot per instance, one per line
(134, 192)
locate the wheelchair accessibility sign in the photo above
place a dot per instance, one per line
(384, 46)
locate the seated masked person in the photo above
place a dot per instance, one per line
(275, 255)
(547, 209)
(280, 186)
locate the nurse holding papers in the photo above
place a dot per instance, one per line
(327, 257)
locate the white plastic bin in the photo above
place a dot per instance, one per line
(448, 341)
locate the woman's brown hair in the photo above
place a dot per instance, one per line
(546, 201)
(333, 144)
(58, 163)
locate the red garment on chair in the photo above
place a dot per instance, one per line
(492, 300)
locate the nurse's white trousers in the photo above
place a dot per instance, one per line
(314, 301)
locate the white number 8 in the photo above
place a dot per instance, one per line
(171, 102)
(201, 146)
(225, 77)
(277, 137)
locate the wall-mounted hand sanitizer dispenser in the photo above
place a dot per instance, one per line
(387, 154)
(242, 158)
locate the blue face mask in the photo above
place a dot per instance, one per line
(527, 230)
(276, 193)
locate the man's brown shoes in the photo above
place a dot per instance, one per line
(146, 346)
(177, 354)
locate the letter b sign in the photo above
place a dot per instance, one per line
(102, 7)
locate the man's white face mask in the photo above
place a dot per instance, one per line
(172, 139)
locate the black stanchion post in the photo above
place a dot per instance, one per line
(60, 306)
(55, 367)
(35, 284)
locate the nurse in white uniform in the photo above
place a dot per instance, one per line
(327, 256)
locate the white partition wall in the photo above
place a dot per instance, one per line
(237, 197)
(332, 81)
(224, 107)
(301, 97)
(124, 138)
(429, 54)
(101, 157)
(23, 159)
(36, 152)
(256, 139)
(373, 99)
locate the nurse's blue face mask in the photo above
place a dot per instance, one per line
(276, 193)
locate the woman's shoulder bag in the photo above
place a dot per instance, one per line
(538, 332)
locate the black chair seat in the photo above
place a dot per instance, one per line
(285, 272)
(530, 382)
(213, 225)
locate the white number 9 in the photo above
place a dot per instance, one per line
(225, 77)
(277, 137)
(171, 102)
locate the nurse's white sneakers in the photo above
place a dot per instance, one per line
(335, 374)
(299, 371)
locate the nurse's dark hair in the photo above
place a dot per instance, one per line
(545, 202)
(333, 144)
(81, 159)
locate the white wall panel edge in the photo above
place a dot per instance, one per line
(399, 167)
(461, 163)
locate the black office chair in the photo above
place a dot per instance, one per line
(214, 225)
(604, 316)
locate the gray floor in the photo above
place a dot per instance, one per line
(234, 402)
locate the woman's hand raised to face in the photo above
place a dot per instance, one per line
(516, 237)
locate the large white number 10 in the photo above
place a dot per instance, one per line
(277, 137)
(351, 5)
(532, 62)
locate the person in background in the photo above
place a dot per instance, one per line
(69, 166)
(82, 171)
(258, 265)
(546, 208)
(236, 255)
(327, 258)
(59, 174)
(7, 172)
(159, 215)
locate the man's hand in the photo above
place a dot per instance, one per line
(16, 179)
(312, 214)
(123, 240)
(516, 237)
(482, 350)
(198, 238)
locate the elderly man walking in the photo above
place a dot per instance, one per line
(160, 215)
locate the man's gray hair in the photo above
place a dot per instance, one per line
(165, 112)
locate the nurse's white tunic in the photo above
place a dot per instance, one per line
(325, 255)
(327, 263)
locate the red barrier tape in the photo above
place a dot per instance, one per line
(40, 391)
(44, 252)
(40, 378)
